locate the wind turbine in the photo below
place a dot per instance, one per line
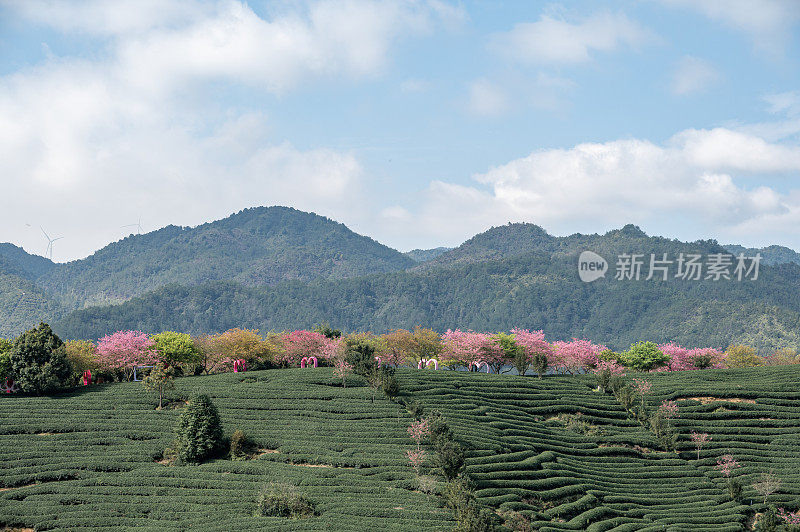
(49, 252)
(137, 225)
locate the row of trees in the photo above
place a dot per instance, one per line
(115, 356)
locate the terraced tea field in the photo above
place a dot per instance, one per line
(87, 459)
(555, 449)
(570, 458)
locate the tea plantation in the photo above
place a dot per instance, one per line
(563, 455)
(88, 459)
(570, 457)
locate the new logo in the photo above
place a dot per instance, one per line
(591, 266)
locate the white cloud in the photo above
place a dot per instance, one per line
(414, 85)
(784, 102)
(555, 40)
(768, 23)
(88, 145)
(692, 181)
(505, 93)
(110, 17)
(487, 98)
(693, 75)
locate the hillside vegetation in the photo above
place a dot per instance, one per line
(277, 268)
(534, 291)
(554, 453)
(89, 458)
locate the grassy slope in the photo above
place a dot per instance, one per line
(520, 455)
(524, 459)
(98, 468)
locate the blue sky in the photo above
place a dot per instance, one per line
(419, 123)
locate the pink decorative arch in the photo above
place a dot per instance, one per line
(307, 361)
(426, 363)
(478, 365)
(239, 365)
(87, 378)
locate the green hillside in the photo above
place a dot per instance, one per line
(89, 459)
(572, 458)
(534, 291)
(563, 455)
(23, 303)
(772, 254)
(259, 246)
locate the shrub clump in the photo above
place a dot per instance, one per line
(242, 447)
(199, 432)
(39, 361)
(278, 499)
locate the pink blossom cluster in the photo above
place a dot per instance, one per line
(790, 518)
(726, 464)
(303, 343)
(418, 430)
(466, 347)
(642, 386)
(683, 359)
(610, 366)
(533, 342)
(125, 349)
(576, 356)
(668, 409)
(416, 458)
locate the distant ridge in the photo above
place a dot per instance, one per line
(424, 255)
(771, 255)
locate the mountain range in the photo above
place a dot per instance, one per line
(280, 268)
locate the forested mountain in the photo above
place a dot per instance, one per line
(15, 259)
(260, 246)
(772, 255)
(424, 255)
(278, 268)
(532, 290)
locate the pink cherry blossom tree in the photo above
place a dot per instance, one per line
(462, 348)
(537, 351)
(576, 356)
(124, 350)
(303, 343)
(700, 439)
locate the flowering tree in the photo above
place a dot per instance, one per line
(726, 464)
(218, 352)
(419, 430)
(534, 350)
(668, 409)
(767, 484)
(342, 369)
(576, 356)
(124, 350)
(462, 348)
(700, 440)
(416, 459)
(683, 359)
(395, 347)
(790, 518)
(302, 343)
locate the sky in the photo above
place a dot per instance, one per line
(416, 122)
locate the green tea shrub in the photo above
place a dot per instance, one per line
(279, 499)
(199, 432)
(440, 430)
(449, 458)
(39, 361)
(241, 446)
